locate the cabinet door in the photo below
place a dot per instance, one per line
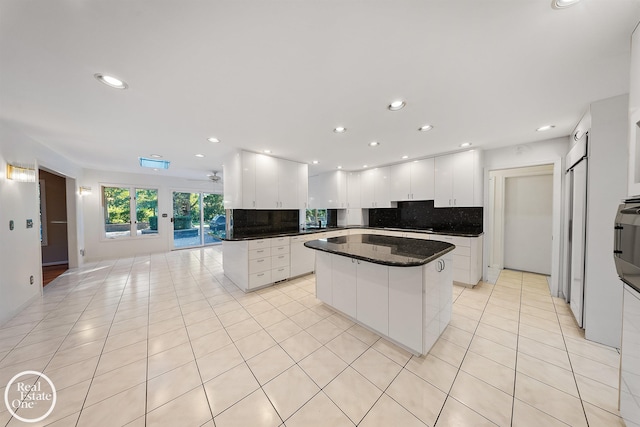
(287, 184)
(463, 179)
(303, 186)
(354, 216)
(248, 180)
(382, 186)
(443, 180)
(445, 287)
(373, 296)
(343, 278)
(353, 190)
(341, 190)
(422, 179)
(367, 188)
(405, 306)
(324, 288)
(400, 182)
(266, 182)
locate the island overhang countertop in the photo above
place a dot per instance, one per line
(384, 250)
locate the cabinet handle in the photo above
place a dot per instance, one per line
(260, 251)
(260, 274)
(454, 202)
(254, 203)
(260, 260)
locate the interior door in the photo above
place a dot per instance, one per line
(578, 230)
(528, 220)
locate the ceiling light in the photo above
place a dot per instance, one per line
(340, 129)
(396, 105)
(425, 128)
(561, 4)
(315, 162)
(405, 157)
(111, 81)
(545, 127)
(153, 163)
(339, 167)
(267, 151)
(212, 139)
(156, 156)
(465, 144)
(200, 155)
(365, 166)
(374, 144)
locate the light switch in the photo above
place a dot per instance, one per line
(29, 223)
(11, 225)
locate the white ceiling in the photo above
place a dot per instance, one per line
(281, 75)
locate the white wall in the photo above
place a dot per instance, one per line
(97, 247)
(607, 186)
(21, 256)
(550, 151)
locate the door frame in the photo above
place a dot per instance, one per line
(494, 230)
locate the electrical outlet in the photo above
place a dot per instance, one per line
(31, 280)
(81, 252)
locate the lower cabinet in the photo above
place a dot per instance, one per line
(410, 305)
(303, 259)
(254, 264)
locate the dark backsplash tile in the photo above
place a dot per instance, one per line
(423, 215)
(251, 222)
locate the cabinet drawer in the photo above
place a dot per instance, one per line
(279, 241)
(259, 265)
(260, 279)
(462, 251)
(279, 260)
(460, 261)
(280, 273)
(258, 244)
(260, 253)
(277, 250)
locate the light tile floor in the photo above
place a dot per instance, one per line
(167, 340)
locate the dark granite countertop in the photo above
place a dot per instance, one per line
(385, 250)
(301, 232)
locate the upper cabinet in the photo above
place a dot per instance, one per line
(328, 191)
(458, 180)
(412, 181)
(375, 188)
(353, 190)
(257, 181)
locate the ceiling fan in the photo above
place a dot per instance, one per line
(215, 178)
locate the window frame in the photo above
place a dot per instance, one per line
(133, 212)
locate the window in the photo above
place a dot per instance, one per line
(316, 218)
(118, 205)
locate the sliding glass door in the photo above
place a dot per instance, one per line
(198, 219)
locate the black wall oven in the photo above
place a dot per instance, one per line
(627, 243)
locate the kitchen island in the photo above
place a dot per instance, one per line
(399, 287)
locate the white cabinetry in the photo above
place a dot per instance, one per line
(375, 187)
(630, 358)
(257, 181)
(412, 181)
(353, 190)
(302, 258)
(252, 264)
(410, 305)
(467, 258)
(634, 118)
(329, 191)
(458, 180)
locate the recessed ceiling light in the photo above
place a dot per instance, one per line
(315, 162)
(156, 156)
(465, 144)
(267, 151)
(396, 105)
(405, 157)
(212, 139)
(340, 129)
(339, 167)
(561, 4)
(365, 166)
(425, 128)
(374, 144)
(111, 81)
(200, 155)
(545, 127)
